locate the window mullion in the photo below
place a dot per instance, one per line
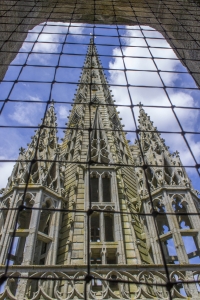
(100, 190)
(102, 227)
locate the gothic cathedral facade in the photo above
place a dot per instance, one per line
(96, 205)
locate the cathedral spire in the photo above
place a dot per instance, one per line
(42, 149)
(164, 168)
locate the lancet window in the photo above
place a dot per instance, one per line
(106, 188)
(22, 231)
(95, 228)
(104, 225)
(180, 208)
(170, 251)
(101, 227)
(161, 219)
(192, 249)
(100, 187)
(109, 228)
(43, 239)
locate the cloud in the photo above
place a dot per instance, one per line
(51, 37)
(5, 171)
(24, 114)
(63, 112)
(164, 119)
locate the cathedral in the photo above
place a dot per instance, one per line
(95, 217)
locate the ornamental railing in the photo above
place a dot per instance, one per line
(105, 282)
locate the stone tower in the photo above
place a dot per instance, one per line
(96, 210)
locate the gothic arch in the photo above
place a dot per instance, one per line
(48, 202)
(28, 199)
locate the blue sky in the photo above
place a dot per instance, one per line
(41, 52)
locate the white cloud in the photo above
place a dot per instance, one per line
(33, 98)
(63, 112)
(5, 171)
(24, 114)
(164, 119)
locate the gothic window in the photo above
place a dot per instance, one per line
(170, 251)
(192, 249)
(109, 232)
(100, 183)
(43, 241)
(161, 220)
(180, 207)
(71, 146)
(106, 189)
(95, 228)
(94, 188)
(21, 234)
(97, 223)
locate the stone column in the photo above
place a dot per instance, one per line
(153, 235)
(22, 286)
(31, 239)
(194, 219)
(8, 225)
(54, 234)
(118, 236)
(174, 228)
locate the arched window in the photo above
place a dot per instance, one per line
(179, 207)
(109, 232)
(95, 228)
(43, 241)
(22, 230)
(94, 189)
(106, 189)
(161, 220)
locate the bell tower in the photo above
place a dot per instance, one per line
(165, 189)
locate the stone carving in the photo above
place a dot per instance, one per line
(145, 285)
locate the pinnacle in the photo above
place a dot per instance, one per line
(52, 103)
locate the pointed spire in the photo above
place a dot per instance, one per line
(45, 141)
(164, 168)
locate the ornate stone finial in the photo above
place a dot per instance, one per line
(140, 106)
(176, 153)
(52, 103)
(22, 151)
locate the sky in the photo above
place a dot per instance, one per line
(49, 45)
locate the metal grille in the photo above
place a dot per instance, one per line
(146, 62)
